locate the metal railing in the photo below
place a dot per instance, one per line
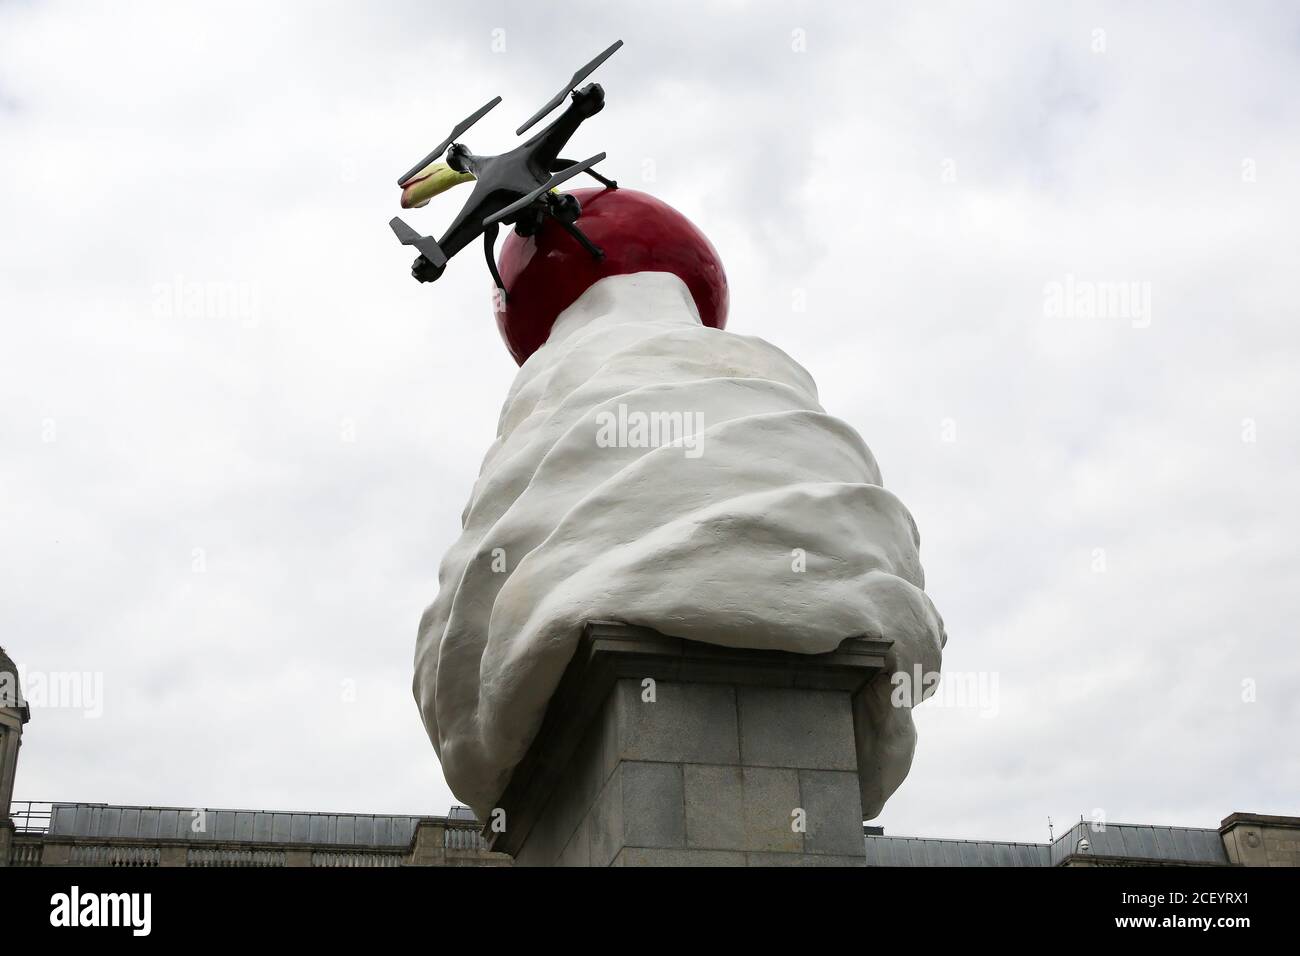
(31, 816)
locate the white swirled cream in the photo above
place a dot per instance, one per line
(654, 471)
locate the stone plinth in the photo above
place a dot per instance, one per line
(660, 751)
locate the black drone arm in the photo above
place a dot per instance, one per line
(566, 163)
(544, 148)
(468, 224)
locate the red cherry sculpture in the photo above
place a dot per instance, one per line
(544, 274)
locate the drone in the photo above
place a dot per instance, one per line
(514, 188)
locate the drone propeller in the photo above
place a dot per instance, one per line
(427, 245)
(562, 176)
(460, 129)
(578, 77)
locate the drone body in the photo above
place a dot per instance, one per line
(513, 188)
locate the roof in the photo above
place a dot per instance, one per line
(922, 851)
(100, 821)
(1152, 844)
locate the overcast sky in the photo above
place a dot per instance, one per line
(236, 437)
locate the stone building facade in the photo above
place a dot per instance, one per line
(1241, 839)
(1256, 839)
(14, 714)
(92, 834)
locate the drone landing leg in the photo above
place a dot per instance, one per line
(604, 181)
(489, 250)
(596, 252)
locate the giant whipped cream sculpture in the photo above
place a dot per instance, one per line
(649, 468)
